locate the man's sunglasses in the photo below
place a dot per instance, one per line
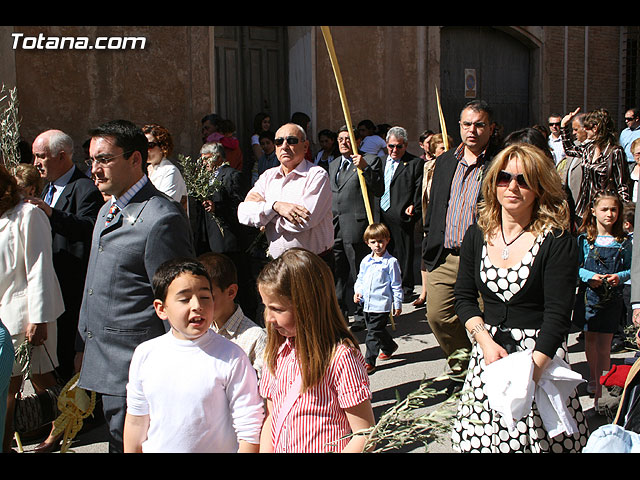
(504, 179)
(290, 140)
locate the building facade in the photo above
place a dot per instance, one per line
(177, 74)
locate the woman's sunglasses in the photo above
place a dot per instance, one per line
(504, 179)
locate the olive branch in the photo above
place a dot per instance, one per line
(9, 128)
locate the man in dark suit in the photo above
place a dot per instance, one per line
(455, 191)
(136, 231)
(72, 202)
(401, 202)
(350, 216)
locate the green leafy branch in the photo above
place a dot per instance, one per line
(407, 422)
(9, 128)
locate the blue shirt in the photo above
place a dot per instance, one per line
(624, 274)
(626, 139)
(380, 284)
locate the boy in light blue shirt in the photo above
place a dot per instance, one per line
(379, 288)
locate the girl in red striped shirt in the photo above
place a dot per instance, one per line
(314, 379)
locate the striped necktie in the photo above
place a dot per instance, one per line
(49, 197)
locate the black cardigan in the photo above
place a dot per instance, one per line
(545, 301)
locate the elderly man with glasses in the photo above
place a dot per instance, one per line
(455, 191)
(293, 200)
(72, 202)
(400, 205)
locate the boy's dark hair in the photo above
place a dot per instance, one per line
(267, 134)
(629, 212)
(376, 231)
(222, 271)
(170, 270)
(128, 137)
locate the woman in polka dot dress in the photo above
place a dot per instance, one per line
(522, 260)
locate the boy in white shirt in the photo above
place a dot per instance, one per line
(190, 390)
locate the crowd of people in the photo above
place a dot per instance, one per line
(226, 323)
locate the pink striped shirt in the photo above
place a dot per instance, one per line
(318, 420)
(306, 185)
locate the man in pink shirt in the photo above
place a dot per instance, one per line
(292, 201)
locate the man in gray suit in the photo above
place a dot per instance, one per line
(135, 232)
(349, 215)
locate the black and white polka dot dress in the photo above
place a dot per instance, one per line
(477, 427)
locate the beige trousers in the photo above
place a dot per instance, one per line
(441, 315)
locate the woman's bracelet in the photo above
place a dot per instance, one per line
(477, 329)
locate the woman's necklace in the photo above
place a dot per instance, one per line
(505, 250)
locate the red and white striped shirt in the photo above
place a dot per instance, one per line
(317, 422)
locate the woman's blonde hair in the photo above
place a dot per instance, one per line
(550, 209)
(306, 281)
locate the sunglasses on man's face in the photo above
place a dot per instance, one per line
(291, 140)
(504, 179)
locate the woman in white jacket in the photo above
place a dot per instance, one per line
(30, 297)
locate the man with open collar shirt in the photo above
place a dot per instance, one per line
(455, 191)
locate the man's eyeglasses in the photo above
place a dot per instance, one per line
(478, 125)
(291, 140)
(103, 160)
(629, 119)
(504, 179)
(391, 146)
(554, 124)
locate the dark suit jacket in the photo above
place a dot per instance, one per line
(226, 234)
(72, 221)
(435, 218)
(406, 188)
(117, 311)
(348, 208)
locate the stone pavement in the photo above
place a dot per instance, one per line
(418, 357)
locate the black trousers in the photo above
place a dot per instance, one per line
(402, 248)
(348, 257)
(378, 337)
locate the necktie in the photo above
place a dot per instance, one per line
(385, 200)
(343, 168)
(49, 197)
(113, 211)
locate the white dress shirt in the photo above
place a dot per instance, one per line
(167, 178)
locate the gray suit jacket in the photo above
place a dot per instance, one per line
(117, 311)
(348, 209)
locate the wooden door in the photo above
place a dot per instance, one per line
(251, 76)
(500, 66)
